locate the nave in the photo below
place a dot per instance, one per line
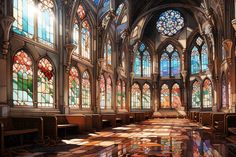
(150, 138)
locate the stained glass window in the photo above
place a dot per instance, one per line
(45, 83)
(196, 95)
(74, 87)
(23, 12)
(135, 97)
(46, 22)
(165, 96)
(108, 51)
(106, 3)
(22, 79)
(119, 94)
(86, 90)
(146, 97)
(109, 93)
(175, 64)
(175, 96)
(96, 2)
(195, 61)
(170, 22)
(142, 62)
(81, 12)
(102, 93)
(207, 94)
(123, 94)
(146, 63)
(119, 9)
(85, 40)
(137, 64)
(224, 92)
(76, 37)
(165, 69)
(204, 56)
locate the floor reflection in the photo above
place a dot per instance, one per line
(152, 138)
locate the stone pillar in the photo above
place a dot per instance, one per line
(6, 23)
(185, 101)
(154, 93)
(69, 50)
(100, 67)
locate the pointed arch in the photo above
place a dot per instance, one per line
(164, 65)
(108, 51)
(119, 94)
(86, 90)
(136, 96)
(175, 64)
(22, 79)
(196, 95)
(74, 88)
(146, 97)
(176, 96)
(207, 94)
(109, 93)
(102, 92)
(46, 83)
(165, 96)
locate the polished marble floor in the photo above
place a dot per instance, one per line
(151, 138)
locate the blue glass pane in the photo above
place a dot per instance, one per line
(204, 55)
(146, 64)
(175, 64)
(106, 3)
(195, 61)
(142, 47)
(96, 2)
(137, 64)
(164, 65)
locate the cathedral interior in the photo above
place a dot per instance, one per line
(118, 78)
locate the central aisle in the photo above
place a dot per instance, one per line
(155, 137)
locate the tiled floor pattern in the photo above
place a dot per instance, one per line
(155, 137)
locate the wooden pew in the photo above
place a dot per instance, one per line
(19, 126)
(96, 122)
(108, 120)
(230, 124)
(132, 117)
(139, 116)
(121, 119)
(218, 122)
(205, 118)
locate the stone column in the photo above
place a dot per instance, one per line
(69, 50)
(154, 93)
(100, 67)
(6, 23)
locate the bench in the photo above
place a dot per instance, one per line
(19, 126)
(230, 124)
(108, 120)
(122, 118)
(218, 122)
(205, 118)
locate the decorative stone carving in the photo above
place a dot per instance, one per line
(70, 48)
(6, 24)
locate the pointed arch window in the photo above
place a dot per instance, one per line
(175, 96)
(108, 51)
(199, 56)
(123, 95)
(22, 79)
(146, 97)
(123, 60)
(38, 25)
(86, 90)
(136, 97)
(102, 93)
(82, 35)
(109, 93)
(207, 94)
(46, 86)
(225, 94)
(119, 94)
(142, 62)
(170, 62)
(74, 88)
(196, 95)
(106, 3)
(165, 96)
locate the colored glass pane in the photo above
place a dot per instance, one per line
(146, 63)
(81, 12)
(23, 12)
(22, 79)
(207, 94)
(224, 92)
(195, 61)
(135, 97)
(170, 48)
(46, 22)
(146, 97)
(175, 96)
(106, 3)
(199, 41)
(204, 57)
(170, 22)
(76, 38)
(119, 9)
(164, 68)
(109, 93)
(137, 64)
(175, 64)
(102, 93)
(45, 84)
(109, 52)
(86, 90)
(74, 87)
(96, 2)
(85, 40)
(123, 95)
(142, 47)
(119, 94)
(196, 95)
(165, 96)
